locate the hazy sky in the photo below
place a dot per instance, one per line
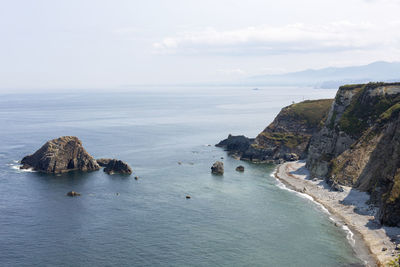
(112, 44)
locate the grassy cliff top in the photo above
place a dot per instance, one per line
(365, 109)
(310, 111)
(367, 85)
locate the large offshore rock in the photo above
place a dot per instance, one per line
(61, 155)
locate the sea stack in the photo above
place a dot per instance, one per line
(60, 155)
(217, 168)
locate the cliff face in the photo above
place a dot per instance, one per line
(286, 138)
(292, 129)
(359, 145)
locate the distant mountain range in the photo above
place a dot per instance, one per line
(332, 77)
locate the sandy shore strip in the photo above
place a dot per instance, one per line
(374, 244)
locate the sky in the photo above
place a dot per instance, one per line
(61, 44)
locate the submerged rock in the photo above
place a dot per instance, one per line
(112, 166)
(73, 194)
(218, 168)
(240, 168)
(60, 155)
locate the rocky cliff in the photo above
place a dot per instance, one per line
(359, 145)
(286, 138)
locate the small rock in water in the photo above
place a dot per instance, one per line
(180, 163)
(112, 166)
(218, 168)
(117, 194)
(240, 168)
(136, 178)
(222, 157)
(73, 194)
(188, 197)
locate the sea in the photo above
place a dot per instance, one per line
(167, 135)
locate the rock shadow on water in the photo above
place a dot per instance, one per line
(72, 178)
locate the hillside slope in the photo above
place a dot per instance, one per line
(286, 138)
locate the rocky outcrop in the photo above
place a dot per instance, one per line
(237, 143)
(286, 138)
(359, 145)
(112, 166)
(61, 155)
(217, 168)
(291, 157)
(240, 168)
(66, 154)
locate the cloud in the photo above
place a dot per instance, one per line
(232, 72)
(126, 31)
(293, 38)
(383, 1)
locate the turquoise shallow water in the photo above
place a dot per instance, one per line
(240, 219)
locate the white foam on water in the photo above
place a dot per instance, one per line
(16, 166)
(349, 235)
(302, 195)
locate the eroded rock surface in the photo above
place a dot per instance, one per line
(60, 155)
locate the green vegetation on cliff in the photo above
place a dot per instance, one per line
(394, 193)
(310, 111)
(287, 139)
(363, 111)
(359, 145)
(390, 112)
(292, 128)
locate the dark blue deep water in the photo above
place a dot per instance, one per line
(240, 219)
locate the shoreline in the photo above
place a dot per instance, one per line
(371, 242)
